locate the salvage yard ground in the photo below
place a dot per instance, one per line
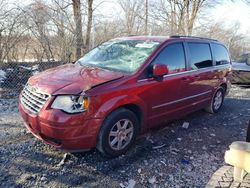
(184, 153)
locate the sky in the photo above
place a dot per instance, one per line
(230, 12)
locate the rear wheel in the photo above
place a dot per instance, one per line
(118, 133)
(216, 101)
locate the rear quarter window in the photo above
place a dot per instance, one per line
(200, 55)
(220, 54)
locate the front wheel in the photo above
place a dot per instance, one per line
(216, 101)
(118, 133)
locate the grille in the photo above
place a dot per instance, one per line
(33, 99)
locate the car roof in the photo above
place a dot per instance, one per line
(149, 38)
(162, 39)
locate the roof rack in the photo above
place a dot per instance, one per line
(187, 36)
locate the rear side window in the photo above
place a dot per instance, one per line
(200, 55)
(221, 55)
(173, 56)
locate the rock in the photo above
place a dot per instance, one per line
(179, 139)
(171, 177)
(185, 125)
(131, 183)
(63, 170)
(190, 169)
(204, 147)
(152, 180)
(214, 168)
(26, 177)
(31, 177)
(43, 178)
(139, 170)
(213, 135)
(122, 185)
(23, 131)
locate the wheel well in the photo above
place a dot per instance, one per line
(224, 86)
(134, 108)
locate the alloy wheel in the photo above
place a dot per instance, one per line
(121, 134)
(218, 100)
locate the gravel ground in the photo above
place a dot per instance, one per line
(169, 156)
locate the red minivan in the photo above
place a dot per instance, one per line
(124, 87)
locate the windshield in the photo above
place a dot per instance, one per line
(120, 55)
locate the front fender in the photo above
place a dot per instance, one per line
(120, 101)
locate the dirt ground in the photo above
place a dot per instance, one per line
(169, 156)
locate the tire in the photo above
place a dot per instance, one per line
(118, 133)
(217, 101)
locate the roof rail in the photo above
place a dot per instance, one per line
(194, 37)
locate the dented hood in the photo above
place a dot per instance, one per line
(72, 78)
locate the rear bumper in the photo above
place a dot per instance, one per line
(69, 132)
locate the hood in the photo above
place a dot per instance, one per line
(72, 78)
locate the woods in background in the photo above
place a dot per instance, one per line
(64, 30)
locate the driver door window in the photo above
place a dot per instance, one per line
(173, 56)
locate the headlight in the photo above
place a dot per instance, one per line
(71, 104)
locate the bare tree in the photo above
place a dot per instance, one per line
(62, 18)
(146, 17)
(231, 36)
(179, 16)
(131, 9)
(11, 31)
(78, 27)
(37, 19)
(89, 23)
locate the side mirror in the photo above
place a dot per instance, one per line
(160, 70)
(248, 61)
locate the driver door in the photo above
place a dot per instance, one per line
(162, 96)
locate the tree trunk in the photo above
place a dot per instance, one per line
(146, 19)
(89, 24)
(78, 29)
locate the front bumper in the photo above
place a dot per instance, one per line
(61, 130)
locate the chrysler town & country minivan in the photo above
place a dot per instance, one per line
(122, 88)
